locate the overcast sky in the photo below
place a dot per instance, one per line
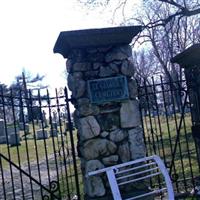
(28, 32)
(29, 29)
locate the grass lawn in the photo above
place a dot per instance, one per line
(161, 135)
(31, 149)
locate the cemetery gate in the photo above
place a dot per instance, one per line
(38, 157)
(166, 118)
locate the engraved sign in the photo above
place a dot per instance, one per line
(108, 89)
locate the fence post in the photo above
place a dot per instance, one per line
(189, 59)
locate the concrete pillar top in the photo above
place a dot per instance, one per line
(189, 57)
(90, 38)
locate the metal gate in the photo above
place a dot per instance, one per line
(166, 118)
(38, 158)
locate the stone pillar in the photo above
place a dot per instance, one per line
(190, 61)
(101, 78)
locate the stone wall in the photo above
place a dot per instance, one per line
(108, 133)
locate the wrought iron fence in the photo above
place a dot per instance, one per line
(38, 158)
(166, 119)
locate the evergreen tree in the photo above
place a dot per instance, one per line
(26, 89)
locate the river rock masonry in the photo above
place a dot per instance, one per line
(104, 93)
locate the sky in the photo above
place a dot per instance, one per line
(28, 32)
(29, 29)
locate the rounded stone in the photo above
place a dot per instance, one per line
(73, 77)
(93, 184)
(127, 68)
(88, 127)
(77, 55)
(69, 65)
(97, 65)
(83, 101)
(95, 148)
(96, 57)
(111, 160)
(85, 108)
(106, 71)
(114, 67)
(104, 134)
(136, 141)
(109, 121)
(81, 66)
(78, 75)
(124, 152)
(118, 53)
(88, 109)
(93, 165)
(130, 114)
(118, 135)
(91, 74)
(132, 86)
(76, 85)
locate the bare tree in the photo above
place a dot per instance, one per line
(169, 38)
(146, 65)
(179, 8)
(169, 27)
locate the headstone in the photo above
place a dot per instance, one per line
(26, 118)
(21, 126)
(54, 125)
(53, 133)
(2, 126)
(21, 115)
(54, 117)
(41, 134)
(66, 126)
(44, 119)
(26, 128)
(2, 132)
(14, 139)
(3, 139)
(40, 124)
(11, 130)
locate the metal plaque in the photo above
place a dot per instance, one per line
(108, 89)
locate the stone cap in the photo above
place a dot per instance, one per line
(79, 39)
(188, 58)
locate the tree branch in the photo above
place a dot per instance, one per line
(173, 3)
